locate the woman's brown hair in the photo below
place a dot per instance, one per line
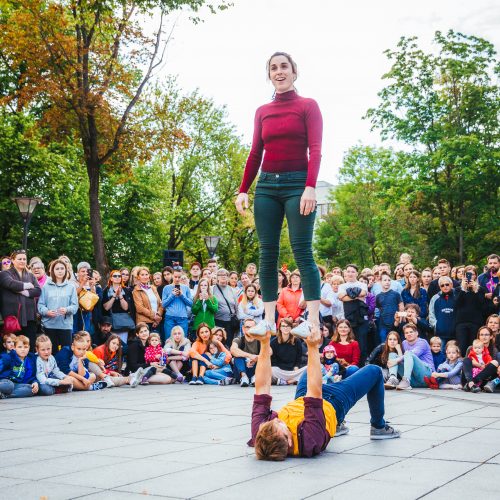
(336, 335)
(384, 356)
(279, 334)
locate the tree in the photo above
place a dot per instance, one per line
(88, 63)
(445, 106)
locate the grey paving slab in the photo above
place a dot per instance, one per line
(184, 442)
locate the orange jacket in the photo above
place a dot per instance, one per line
(144, 312)
(288, 303)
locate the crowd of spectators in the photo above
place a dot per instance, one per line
(66, 328)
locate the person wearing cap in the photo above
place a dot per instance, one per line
(332, 370)
(304, 426)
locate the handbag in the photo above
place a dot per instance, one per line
(122, 322)
(11, 323)
(235, 322)
(87, 299)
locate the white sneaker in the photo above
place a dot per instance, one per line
(136, 377)
(252, 381)
(244, 381)
(262, 328)
(302, 330)
(109, 381)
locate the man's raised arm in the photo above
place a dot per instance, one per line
(314, 379)
(263, 372)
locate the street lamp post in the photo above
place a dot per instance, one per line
(26, 208)
(211, 243)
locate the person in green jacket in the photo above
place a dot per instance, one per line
(204, 306)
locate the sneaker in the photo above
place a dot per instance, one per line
(392, 382)
(467, 387)
(200, 381)
(97, 386)
(109, 381)
(404, 385)
(136, 377)
(490, 386)
(386, 432)
(302, 330)
(226, 381)
(280, 381)
(262, 328)
(193, 381)
(244, 382)
(342, 429)
(180, 378)
(252, 381)
(475, 389)
(431, 382)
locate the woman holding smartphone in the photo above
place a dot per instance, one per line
(286, 146)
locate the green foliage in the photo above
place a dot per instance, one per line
(442, 197)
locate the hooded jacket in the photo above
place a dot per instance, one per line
(54, 296)
(442, 313)
(18, 370)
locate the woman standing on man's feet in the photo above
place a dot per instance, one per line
(289, 129)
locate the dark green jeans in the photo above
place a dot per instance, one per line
(277, 195)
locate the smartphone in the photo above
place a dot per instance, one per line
(403, 314)
(178, 287)
(468, 276)
(90, 273)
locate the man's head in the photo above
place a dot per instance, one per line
(493, 263)
(106, 325)
(247, 324)
(385, 281)
(445, 284)
(273, 441)
(177, 275)
(195, 270)
(444, 267)
(410, 332)
(351, 272)
(212, 265)
(251, 269)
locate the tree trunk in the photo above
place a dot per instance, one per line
(100, 258)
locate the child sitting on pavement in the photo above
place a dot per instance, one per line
(437, 350)
(222, 373)
(177, 348)
(50, 378)
(157, 358)
(448, 374)
(332, 370)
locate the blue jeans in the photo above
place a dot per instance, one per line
(22, 391)
(6, 387)
(346, 393)
(46, 390)
(350, 370)
(171, 321)
(414, 369)
(241, 366)
(212, 377)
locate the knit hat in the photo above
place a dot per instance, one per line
(330, 348)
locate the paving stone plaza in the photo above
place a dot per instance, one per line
(189, 442)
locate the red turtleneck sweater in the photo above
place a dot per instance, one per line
(285, 129)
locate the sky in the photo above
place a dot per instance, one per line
(338, 47)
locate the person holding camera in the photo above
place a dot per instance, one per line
(89, 299)
(412, 314)
(177, 302)
(470, 304)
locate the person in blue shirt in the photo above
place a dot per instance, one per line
(388, 302)
(177, 301)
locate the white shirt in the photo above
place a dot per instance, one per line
(344, 286)
(326, 294)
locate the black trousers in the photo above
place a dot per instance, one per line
(230, 333)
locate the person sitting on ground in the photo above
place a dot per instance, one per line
(158, 360)
(348, 352)
(245, 351)
(332, 371)
(49, 377)
(448, 374)
(222, 374)
(385, 356)
(417, 362)
(73, 362)
(305, 426)
(177, 348)
(9, 342)
(287, 355)
(111, 354)
(136, 361)
(199, 362)
(18, 369)
(438, 356)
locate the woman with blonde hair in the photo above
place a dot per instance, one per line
(251, 305)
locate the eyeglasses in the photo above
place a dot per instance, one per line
(444, 284)
(177, 268)
(125, 274)
(116, 275)
(286, 326)
(6, 262)
(484, 335)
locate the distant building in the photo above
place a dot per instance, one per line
(323, 193)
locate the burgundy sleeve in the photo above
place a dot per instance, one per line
(356, 353)
(255, 157)
(261, 412)
(314, 126)
(313, 436)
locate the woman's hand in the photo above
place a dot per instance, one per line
(308, 201)
(391, 363)
(241, 203)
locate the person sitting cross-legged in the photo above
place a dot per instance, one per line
(245, 351)
(305, 426)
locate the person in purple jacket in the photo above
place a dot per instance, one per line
(304, 426)
(416, 362)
